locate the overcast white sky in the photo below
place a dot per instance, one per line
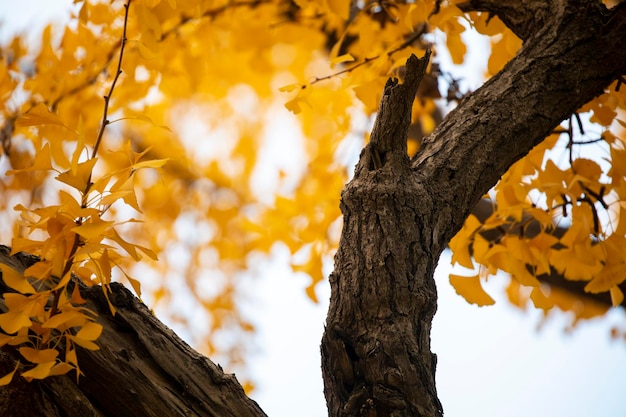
(493, 361)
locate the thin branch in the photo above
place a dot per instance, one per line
(77, 239)
(403, 45)
(586, 142)
(107, 98)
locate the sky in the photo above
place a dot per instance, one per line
(494, 361)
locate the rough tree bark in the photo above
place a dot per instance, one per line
(142, 369)
(398, 217)
(400, 214)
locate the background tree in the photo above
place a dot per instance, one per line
(178, 57)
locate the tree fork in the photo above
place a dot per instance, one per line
(376, 358)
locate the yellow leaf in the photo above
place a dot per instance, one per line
(13, 321)
(94, 229)
(20, 244)
(61, 368)
(42, 162)
(154, 163)
(5, 380)
(314, 269)
(587, 169)
(461, 242)
(293, 105)
(90, 331)
(76, 297)
(127, 185)
(79, 177)
(40, 371)
(16, 280)
(67, 318)
(38, 356)
(341, 59)
(540, 300)
(145, 118)
(39, 115)
(340, 7)
(289, 87)
(471, 289)
(83, 13)
(370, 93)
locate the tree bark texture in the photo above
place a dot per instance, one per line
(376, 358)
(399, 215)
(142, 369)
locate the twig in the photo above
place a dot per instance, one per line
(105, 122)
(107, 98)
(403, 45)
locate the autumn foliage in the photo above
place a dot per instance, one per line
(209, 133)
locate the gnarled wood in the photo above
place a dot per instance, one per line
(376, 358)
(142, 369)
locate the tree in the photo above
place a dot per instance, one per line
(399, 211)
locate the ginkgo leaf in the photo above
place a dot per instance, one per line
(460, 243)
(147, 119)
(39, 270)
(587, 169)
(12, 321)
(67, 318)
(39, 115)
(94, 229)
(90, 331)
(341, 59)
(540, 300)
(86, 335)
(16, 280)
(290, 87)
(340, 7)
(314, 269)
(154, 163)
(38, 356)
(79, 177)
(61, 368)
(42, 162)
(6, 380)
(471, 289)
(369, 93)
(40, 371)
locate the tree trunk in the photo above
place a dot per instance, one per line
(398, 216)
(376, 358)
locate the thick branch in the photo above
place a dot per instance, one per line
(549, 79)
(141, 369)
(523, 17)
(376, 358)
(394, 113)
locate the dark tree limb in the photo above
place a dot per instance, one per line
(523, 17)
(141, 369)
(549, 79)
(376, 358)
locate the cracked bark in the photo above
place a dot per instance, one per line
(399, 215)
(141, 369)
(376, 358)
